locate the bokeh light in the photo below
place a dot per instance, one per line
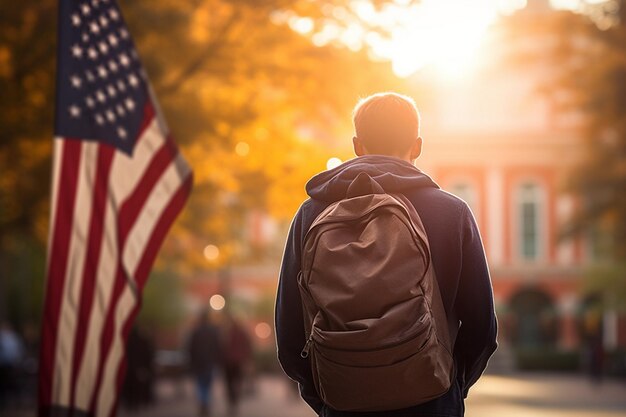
(333, 163)
(263, 330)
(242, 148)
(217, 302)
(211, 253)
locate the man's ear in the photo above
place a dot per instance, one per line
(359, 149)
(416, 149)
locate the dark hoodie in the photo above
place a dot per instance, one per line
(458, 258)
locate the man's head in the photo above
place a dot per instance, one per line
(387, 124)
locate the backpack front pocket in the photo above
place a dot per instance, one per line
(383, 379)
(371, 356)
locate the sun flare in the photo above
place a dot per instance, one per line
(440, 34)
(444, 34)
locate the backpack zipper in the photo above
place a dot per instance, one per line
(310, 341)
(347, 219)
(307, 346)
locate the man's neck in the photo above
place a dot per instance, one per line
(406, 158)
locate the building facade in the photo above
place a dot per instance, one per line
(495, 141)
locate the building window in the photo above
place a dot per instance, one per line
(529, 221)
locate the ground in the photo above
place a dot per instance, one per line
(513, 395)
(504, 395)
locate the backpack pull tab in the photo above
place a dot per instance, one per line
(305, 351)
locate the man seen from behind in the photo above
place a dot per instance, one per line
(387, 142)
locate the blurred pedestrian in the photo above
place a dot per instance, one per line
(11, 352)
(594, 346)
(204, 352)
(139, 380)
(237, 353)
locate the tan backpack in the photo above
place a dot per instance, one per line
(377, 334)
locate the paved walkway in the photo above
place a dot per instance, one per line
(517, 395)
(273, 396)
(547, 395)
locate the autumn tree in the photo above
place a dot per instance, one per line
(255, 106)
(27, 45)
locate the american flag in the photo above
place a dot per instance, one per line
(118, 184)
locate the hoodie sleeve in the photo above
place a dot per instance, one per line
(476, 340)
(289, 321)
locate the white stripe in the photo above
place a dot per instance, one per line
(159, 197)
(108, 389)
(127, 171)
(73, 276)
(105, 280)
(54, 189)
(138, 237)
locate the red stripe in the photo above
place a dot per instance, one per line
(92, 257)
(106, 339)
(157, 237)
(148, 115)
(160, 231)
(67, 183)
(132, 207)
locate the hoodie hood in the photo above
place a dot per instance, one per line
(389, 174)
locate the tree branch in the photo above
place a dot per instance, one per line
(195, 65)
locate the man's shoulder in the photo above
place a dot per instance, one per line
(313, 204)
(309, 209)
(437, 198)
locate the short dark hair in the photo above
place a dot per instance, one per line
(386, 123)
